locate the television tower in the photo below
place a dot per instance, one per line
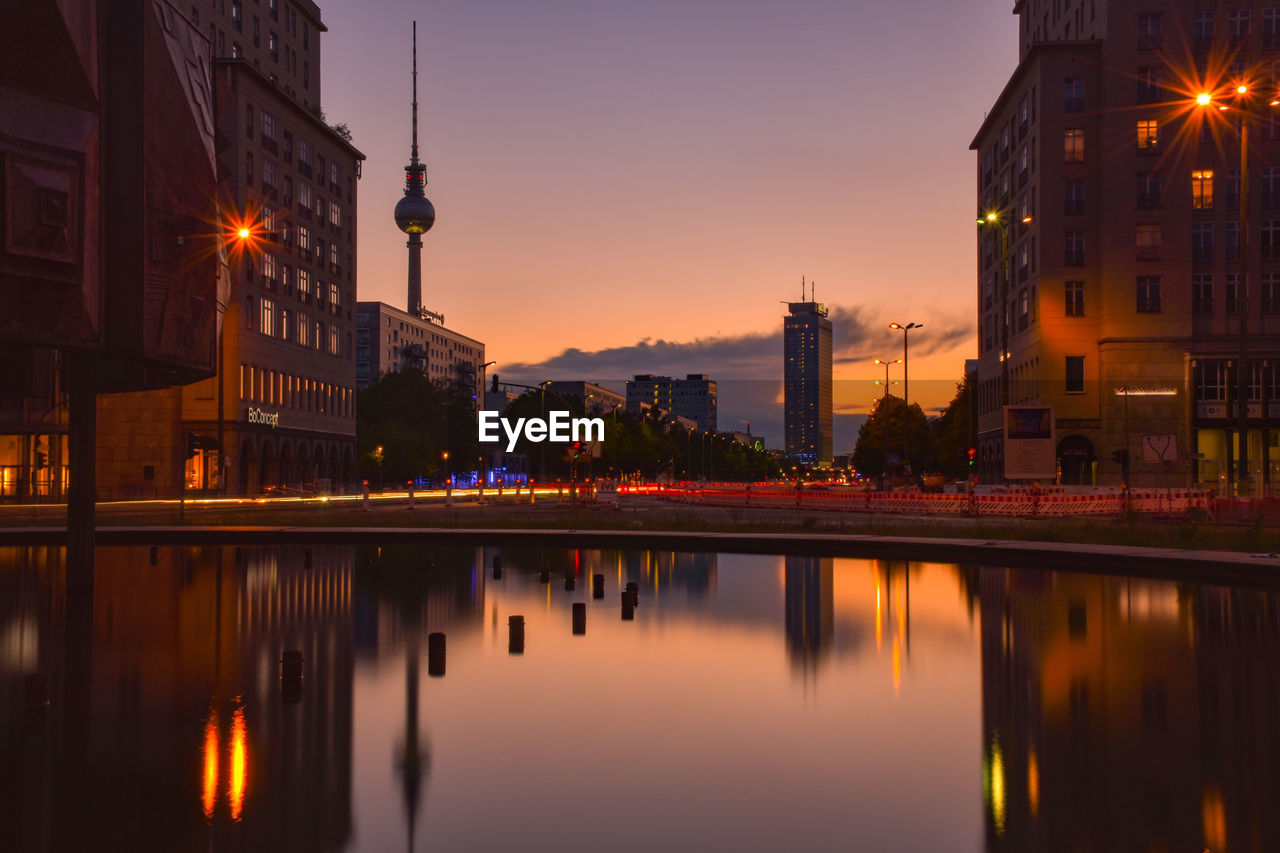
(414, 213)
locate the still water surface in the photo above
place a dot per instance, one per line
(752, 703)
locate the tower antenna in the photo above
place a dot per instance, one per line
(802, 297)
(413, 154)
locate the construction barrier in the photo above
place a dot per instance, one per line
(1049, 501)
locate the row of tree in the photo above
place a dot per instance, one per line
(408, 426)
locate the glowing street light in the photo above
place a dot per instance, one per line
(886, 373)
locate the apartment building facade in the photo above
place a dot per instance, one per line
(1112, 282)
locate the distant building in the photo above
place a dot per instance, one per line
(693, 397)
(807, 382)
(389, 340)
(597, 399)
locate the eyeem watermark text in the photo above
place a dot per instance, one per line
(557, 426)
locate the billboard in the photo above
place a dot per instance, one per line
(1029, 446)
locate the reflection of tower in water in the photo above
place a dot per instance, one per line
(412, 757)
(808, 589)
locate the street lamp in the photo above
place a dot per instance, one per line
(906, 400)
(886, 373)
(1204, 99)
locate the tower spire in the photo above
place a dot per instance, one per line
(413, 155)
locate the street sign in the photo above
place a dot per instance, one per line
(892, 460)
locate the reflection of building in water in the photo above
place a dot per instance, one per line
(808, 587)
(656, 572)
(403, 594)
(299, 797)
(1123, 714)
(187, 731)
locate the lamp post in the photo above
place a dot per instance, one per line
(484, 455)
(886, 373)
(906, 399)
(1244, 483)
(993, 219)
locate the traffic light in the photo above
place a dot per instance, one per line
(973, 452)
(495, 383)
(42, 461)
(1121, 457)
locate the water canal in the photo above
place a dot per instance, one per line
(750, 702)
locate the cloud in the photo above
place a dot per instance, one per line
(747, 367)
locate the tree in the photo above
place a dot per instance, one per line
(953, 432)
(415, 421)
(883, 433)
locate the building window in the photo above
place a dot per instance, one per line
(286, 323)
(1073, 293)
(304, 284)
(236, 52)
(333, 340)
(1202, 242)
(1231, 293)
(1271, 187)
(268, 267)
(1148, 239)
(1270, 293)
(1150, 31)
(237, 15)
(1271, 28)
(1073, 145)
(1150, 188)
(1238, 21)
(1202, 189)
(1201, 294)
(1148, 85)
(1211, 381)
(1202, 31)
(304, 196)
(1233, 242)
(1271, 239)
(1073, 197)
(1075, 374)
(302, 328)
(335, 215)
(1148, 135)
(1073, 95)
(306, 75)
(1148, 294)
(273, 47)
(268, 323)
(304, 239)
(1073, 254)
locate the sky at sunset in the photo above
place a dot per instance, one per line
(627, 187)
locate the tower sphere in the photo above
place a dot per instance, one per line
(415, 214)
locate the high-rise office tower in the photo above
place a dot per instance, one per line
(807, 374)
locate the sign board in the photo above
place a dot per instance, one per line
(1029, 446)
(1161, 447)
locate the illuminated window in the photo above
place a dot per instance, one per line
(1202, 189)
(1148, 134)
(1073, 145)
(268, 322)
